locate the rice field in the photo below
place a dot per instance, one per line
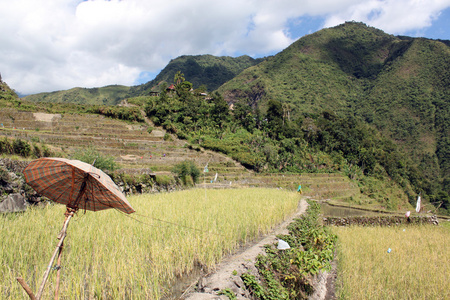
(110, 255)
(405, 262)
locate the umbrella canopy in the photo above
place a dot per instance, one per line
(75, 184)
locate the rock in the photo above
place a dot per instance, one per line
(13, 203)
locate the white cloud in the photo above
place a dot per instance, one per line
(392, 16)
(49, 45)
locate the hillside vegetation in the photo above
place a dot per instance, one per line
(108, 95)
(398, 85)
(7, 96)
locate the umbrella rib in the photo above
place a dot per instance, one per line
(91, 192)
(108, 203)
(64, 190)
(93, 187)
(120, 203)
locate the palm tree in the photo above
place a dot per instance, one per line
(179, 78)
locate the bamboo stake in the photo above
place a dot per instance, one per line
(62, 234)
(58, 273)
(26, 288)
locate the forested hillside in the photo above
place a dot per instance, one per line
(313, 143)
(398, 85)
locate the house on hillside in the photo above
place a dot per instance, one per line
(170, 88)
(157, 89)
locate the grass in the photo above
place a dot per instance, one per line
(108, 255)
(417, 267)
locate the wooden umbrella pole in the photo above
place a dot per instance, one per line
(62, 236)
(58, 272)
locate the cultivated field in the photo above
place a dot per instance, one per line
(416, 267)
(109, 255)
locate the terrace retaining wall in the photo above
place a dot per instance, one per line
(379, 220)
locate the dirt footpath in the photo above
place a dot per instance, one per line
(227, 274)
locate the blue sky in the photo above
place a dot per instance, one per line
(49, 45)
(440, 28)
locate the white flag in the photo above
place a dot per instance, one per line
(418, 204)
(215, 178)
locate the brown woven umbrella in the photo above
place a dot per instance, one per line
(78, 185)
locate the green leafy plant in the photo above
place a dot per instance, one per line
(167, 137)
(21, 147)
(187, 172)
(92, 156)
(164, 180)
(227, 292)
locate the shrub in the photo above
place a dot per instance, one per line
(5, 146)
(90, 155)
(37, 151)
(164, 180)
(187, 172)
(46, 152)
(21, 147)
(167, 137)
(4, 176)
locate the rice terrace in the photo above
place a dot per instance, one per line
(321, 172)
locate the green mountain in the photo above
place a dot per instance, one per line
(7, 96)
(108, 95)
(399, 85)
(207, 70)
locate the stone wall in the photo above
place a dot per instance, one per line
(379, 220)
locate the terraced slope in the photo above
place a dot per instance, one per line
(135, 150)
(129, 143)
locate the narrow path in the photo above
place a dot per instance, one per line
(227, 274)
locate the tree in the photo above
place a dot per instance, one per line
(275, 118)
(179, 78)
(219, 110)
(183, 89)
(244, 116)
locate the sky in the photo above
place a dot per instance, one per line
(50, 45)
